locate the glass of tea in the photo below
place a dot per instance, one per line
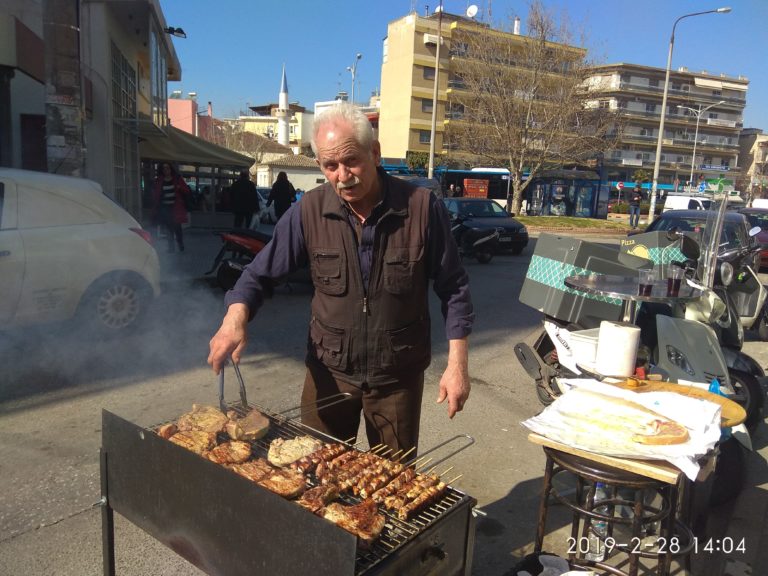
(645, 279)
(674, 279)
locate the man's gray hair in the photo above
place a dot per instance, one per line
(346, 112)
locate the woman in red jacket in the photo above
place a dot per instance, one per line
(169, 193)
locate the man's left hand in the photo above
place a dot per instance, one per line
(454, 385)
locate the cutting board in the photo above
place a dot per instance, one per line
(731, 413)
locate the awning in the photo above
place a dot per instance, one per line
(183, 148)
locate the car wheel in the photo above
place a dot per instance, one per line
(483, 256)
(114, 304)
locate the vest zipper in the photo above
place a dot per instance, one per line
(365, 305)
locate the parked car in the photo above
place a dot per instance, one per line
(687, 202)
(267, 215)
(484, 214)
(759, 217)
(69, 251)
(735, 233)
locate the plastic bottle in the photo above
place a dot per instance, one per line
(599, 527)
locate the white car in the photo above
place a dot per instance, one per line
(68, 251)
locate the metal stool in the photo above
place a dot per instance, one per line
(674, 539)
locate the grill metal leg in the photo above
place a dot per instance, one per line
(107, 522)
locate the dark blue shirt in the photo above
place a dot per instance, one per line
(287, 253)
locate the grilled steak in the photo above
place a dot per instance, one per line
(204, 418)
(233, 452)
(284, 452)
(363, 520)
(254, 470)
(289, 484)
(315, 499)
(195, 440)
(252, 426)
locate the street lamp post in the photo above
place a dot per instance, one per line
(433, 126)
(698, 114)
(652, 213)
(353, 70)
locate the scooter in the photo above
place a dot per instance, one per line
(239, 247)
(478, 244)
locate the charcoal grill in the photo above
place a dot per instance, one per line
(226, 525)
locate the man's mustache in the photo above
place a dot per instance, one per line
(348, 184)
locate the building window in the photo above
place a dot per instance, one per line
(653, 82)
(680, 159)
(429, 73)
(674, 109)
(645, 132)
(604, 104)
(426, 105)
(424, 136)
(717, 92)
(616, 154)
(712, 115)
(125, 144)
(650, 107)
(626, 78)
(675, 86)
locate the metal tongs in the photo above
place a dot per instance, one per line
(243, 397)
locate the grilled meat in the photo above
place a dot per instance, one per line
(424, 499)
(167, 430)
(254, 470)
(393, 486)
(310, 463)
(315, 499)
(289, 484)
(252, 426)
(195, 440)
(410, 491)
(363, 520)
(204, 418)
(233, 452)
(283, 452)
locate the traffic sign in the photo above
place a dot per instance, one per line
(620, 185)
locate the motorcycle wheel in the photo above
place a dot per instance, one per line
(728, 477)
(749, 395)
(483, 256)
(762, 328)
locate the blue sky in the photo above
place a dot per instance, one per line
(235, 49)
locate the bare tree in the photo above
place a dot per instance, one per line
(522, 102)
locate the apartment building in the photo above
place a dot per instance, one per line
(753, 149)
(714, 102)
(409, 70)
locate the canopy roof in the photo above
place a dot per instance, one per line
(180, 147)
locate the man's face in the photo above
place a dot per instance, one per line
(348, 166)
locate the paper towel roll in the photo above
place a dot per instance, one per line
(617, 348)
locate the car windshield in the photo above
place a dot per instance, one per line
(734, 234)
(756, 219)
(475, 209)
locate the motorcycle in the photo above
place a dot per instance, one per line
(478, 244)
(239, 247)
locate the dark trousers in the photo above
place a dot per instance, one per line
(243, 219)
(172, 228)
(391, 412)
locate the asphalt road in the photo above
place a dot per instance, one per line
(55, 383)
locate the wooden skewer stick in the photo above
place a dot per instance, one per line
(406, 454)
(423, 464)
(392, 456)
(350, 440)
(454, 480)
(446, 471)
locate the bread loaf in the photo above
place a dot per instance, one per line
(590, 412)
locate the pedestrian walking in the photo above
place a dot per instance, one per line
(170, 195)
(634, 207)
(283, 194)
(245, 200)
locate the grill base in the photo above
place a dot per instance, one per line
(225, 524)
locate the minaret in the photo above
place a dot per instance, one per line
(283, 113)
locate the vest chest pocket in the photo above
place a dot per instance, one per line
(329, 271)
(399, 266)
(329, 344)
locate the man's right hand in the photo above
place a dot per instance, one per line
(231, 337)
